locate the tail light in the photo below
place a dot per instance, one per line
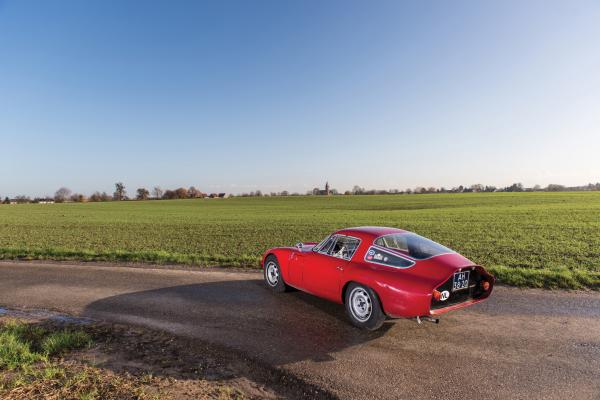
(437, 295)
(485, 285)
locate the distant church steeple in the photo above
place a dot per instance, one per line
(327, 188)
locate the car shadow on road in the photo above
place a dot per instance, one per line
(244, 316)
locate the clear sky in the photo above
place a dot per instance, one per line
(242, 95)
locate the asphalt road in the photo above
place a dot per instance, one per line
(519, 344)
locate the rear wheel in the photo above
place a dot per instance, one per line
(363, 307)
(273, 277)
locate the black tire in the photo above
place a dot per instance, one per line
(272, 275)
(363, 307)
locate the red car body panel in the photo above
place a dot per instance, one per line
(403, 292)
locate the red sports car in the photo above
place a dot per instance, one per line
(379, 272)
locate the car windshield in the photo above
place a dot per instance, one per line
(325, 244)
(412, 245)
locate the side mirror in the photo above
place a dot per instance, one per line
(299, 246)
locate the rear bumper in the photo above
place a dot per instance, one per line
(393, 314)
(439, 311)
(419, 302)
(466, 297)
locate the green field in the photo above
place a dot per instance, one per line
(526, 239)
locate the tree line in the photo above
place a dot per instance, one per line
(476, 188)
(479, 188)
(64, 194)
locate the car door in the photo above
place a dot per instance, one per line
(295, 267)
(322, 270)
(300, 257)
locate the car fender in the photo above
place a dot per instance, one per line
(283, 255)
(400, 295)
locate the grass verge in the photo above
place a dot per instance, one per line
(548, 278)
(155, 257)
(558, 278)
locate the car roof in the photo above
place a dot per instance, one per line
(369, 231)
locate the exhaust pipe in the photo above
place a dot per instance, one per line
(427, 319)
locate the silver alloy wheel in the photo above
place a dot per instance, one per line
(360, 304)
(272, 273)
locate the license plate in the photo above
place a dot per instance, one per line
(460, 281)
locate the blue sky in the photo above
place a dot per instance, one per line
(243, 95)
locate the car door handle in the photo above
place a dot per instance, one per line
(340, 268)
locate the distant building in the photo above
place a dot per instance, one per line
(319, 192)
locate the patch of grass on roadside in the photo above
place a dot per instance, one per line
(70, 381)
(35, 364)
(59, 342)
(22, 345)
(30, 366)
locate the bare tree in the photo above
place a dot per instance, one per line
(157, 192)
(62, 195)
(181, 193)
(78, 198)
(142, 194)
(357, 190)
(169, 195)
(478, 187)
(515, 187)
(193, 193)
(119, 191)
(96, 196)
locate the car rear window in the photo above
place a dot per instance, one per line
(412, 245)
(384, 257)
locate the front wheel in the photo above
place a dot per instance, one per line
(363, 307)
(273, 277)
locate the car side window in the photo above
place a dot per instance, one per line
(412, 245)
(344, 247)
(395, 242)
(377, 255)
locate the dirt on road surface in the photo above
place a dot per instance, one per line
(531, 344)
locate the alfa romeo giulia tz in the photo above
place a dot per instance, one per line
(379, 273)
